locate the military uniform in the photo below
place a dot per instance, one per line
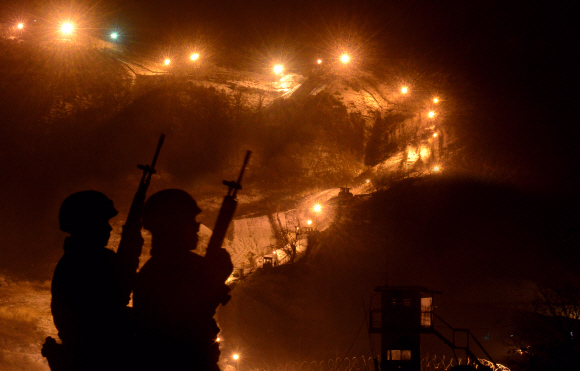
(177, 291)
(175, 299)
(90, 292)
(91, 289)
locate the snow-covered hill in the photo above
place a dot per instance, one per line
(446, 234)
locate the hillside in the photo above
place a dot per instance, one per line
(481, 245)
(60, 140)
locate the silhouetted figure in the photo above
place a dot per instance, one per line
(178, 291)
(91, 288)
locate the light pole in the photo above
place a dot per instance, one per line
(438, 136)
(296, 245)
(317, 210)
(278, 71)
(236, 358)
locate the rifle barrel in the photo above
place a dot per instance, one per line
(159, 144)
(150, 170)
(246, 160)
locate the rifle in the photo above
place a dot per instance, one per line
(221, 227)
(132, 227)
(227, 210)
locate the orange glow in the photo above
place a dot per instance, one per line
(345, 58)
(278, 69)
(404, 90)
(167, 62)
(431, 114)
(435, 100)
(318, 208)
(217, 340)
(20, 26)
(67, 28)
(436, 169)
(194, 56)
(434, 135)
(368, 181)
(309, 222)
(319, 61)
(236, 356)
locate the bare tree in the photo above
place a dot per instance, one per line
(290, 236)
(547, 335)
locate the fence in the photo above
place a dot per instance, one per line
(432, 363)
(428, 363)
(347, 364)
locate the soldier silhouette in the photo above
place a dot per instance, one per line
(91, 288)
(177, 291)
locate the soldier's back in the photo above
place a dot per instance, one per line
(88, 309)
(174, 311)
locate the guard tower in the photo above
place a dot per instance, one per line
(267, 262)
(405, 313)
(345, 192)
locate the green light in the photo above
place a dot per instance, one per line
(114, 35)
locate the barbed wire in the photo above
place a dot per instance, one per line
(431, 363)
(363, 363)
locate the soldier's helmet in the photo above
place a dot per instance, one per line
(169, 209)
(84, 208)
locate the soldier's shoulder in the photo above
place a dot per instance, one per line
(67, 263)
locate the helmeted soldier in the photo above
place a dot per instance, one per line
(177, 291)
(91, 289)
